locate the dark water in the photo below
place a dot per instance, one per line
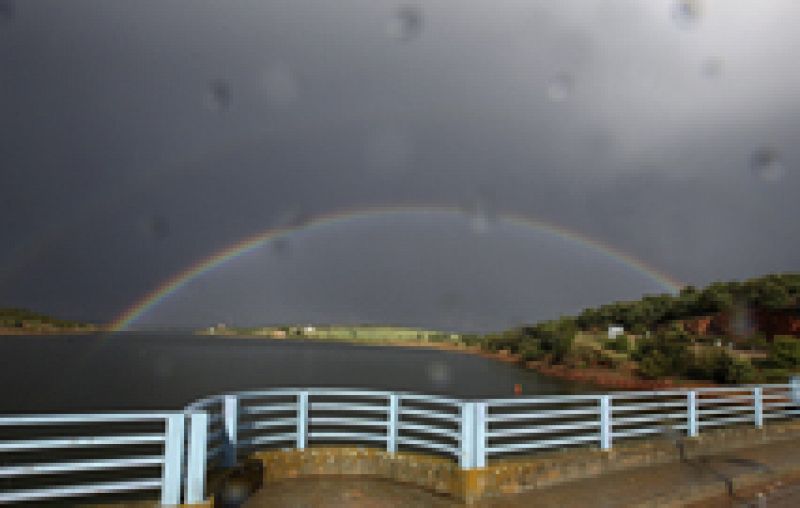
(148, 371)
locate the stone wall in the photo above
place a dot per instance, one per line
(510, 475)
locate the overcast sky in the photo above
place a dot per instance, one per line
(137, 138)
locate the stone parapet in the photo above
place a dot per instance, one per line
(510, 475)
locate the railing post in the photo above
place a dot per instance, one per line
(605, 422)
(231, 412)
(795, 383)
(302, 419)
(195, 489)
(173, 457)
(480, 435)
(466, 458)
(691, 413)
(758, 406)
(391, 429)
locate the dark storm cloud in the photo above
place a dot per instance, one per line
(137, 138)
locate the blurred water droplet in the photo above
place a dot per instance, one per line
(687, 13)
(742, 322)
(389, 151)
(7, 11)
(480, 217)
(234, 492)
(406, 24)
(766, 164)
(560, 87)
(219, 95)
(712, 67)
(158, 227)
(439, 374)
(280, 86)
(281, 246)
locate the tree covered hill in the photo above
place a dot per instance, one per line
(727, 332)
(24, 320)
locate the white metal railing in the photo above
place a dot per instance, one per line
(215, 431)
(62, 434)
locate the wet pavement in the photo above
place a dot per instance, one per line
(676, 484)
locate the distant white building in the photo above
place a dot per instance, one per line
(308, 329)
(615, 331)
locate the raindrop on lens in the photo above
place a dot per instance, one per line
(560, 87)
(479, 217)
(406, 23)
(712, 67)
(280, 86)
(439, 374)
(766, 164)
(158, 227)
(7, 11)
(281, 246)
(687, 12)
(219, 95)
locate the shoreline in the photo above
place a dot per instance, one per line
(598, 377)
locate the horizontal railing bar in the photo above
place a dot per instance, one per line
(347, 393)
(77, 490)
(648, 405)
(347, 421)
(77, 442)
(336, 406)
(782, 403)
(552, 399)
(784, 395)
(542, 415)
(648, 394)
(355, 436)
(406, 411)
(276, 392)
(421, 443)
(732, 389)
(547, 443)
(427, 429)
(646, 419)
(542, 429)
(81, 418)
(723, 421)
(727, 410)
(277, 408)
(726, 400)
(268, 424)
(417, 397)
(79, 466)
(784, 413)
(639, 432)
(257, 440)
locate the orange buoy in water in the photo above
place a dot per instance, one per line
(517, 389)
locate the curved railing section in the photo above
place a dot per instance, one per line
(179, 449)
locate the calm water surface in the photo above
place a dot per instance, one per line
(148, 371)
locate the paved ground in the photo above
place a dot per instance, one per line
(776, 467)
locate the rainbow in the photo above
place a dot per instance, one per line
(172, 285)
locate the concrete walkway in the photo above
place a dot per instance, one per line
(771, 470)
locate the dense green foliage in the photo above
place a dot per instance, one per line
(663, 348)
(771, 292)
(16, 318)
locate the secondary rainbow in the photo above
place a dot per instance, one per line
(182, 278)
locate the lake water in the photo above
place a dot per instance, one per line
(149, 371)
